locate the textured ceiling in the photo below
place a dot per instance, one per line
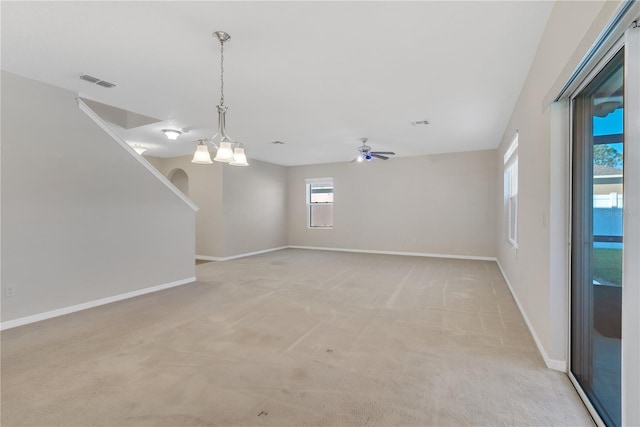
(315, 75)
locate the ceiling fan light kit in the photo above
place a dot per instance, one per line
(365, 153)
(228, 150)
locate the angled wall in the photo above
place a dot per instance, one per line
(537, 271)
(82, 219)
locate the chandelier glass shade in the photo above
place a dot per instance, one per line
(225, 153)
(202, 155)
(239, 158)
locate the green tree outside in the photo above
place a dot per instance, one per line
(605, 155)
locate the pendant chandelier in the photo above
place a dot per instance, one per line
(228, 150)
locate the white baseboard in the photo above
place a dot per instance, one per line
(421, 254)
(555, 364)
(209, 258)
(90, 304)
(215, 258)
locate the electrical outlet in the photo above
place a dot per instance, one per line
(10, 290)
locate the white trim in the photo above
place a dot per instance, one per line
(325, 180)
(513, 147)
(309, 183)
(215, 258)
(209, 258)
(585, 400)
(367, 251)
(619, 44)
(631, 234)
(90, 304)
(557, 365)
(101, 123)
(614, 18)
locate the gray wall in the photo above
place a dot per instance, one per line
(82, 219)
(205, 190)
(242, 209)
(537, 271)
(255, 207)
(440, 204)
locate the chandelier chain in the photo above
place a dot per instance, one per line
(221, 72)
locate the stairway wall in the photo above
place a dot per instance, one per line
(82, 219)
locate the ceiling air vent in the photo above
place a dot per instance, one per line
(105, 84)
(97, 81)
(420, 123)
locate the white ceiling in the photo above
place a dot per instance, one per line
(316, 75)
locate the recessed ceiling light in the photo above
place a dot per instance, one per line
(172, 134)
(139, 148)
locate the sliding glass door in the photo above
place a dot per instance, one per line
(597, 239)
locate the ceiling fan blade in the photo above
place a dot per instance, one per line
(353, 160)
(378, 156)
(383, 152)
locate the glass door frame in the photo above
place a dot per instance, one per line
(631, 231)
(586, 208)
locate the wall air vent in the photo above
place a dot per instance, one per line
(97, 81)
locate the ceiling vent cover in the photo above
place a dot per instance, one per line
(97, 81)
(105, 84)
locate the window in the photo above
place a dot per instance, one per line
(320, 202)
(511, 191)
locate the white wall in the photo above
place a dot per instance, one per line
(439, 204)
(537, 271)
(82, 219)
(242, 209)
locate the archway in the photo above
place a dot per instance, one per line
(180, 179)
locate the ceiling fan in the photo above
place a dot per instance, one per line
(365, 153)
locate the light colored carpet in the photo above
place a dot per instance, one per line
(293, 338)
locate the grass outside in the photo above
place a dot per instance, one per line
(607, 266)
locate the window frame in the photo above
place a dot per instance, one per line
(309, 204)
(511, 198)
